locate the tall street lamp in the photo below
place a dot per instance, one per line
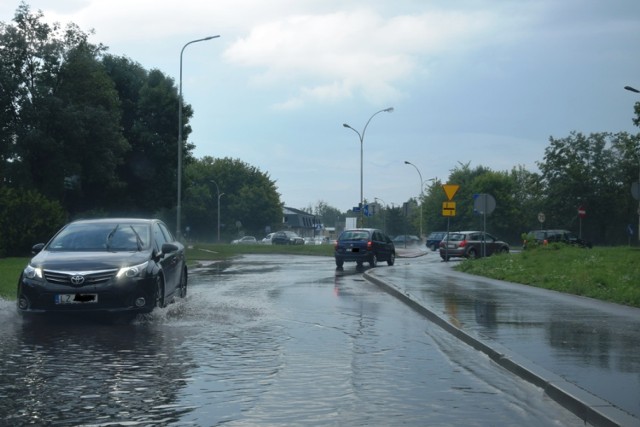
(421, 193)
(631, 89)
(180, 142)
(219, 195)
(361, 136)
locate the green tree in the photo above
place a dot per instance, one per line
(149, 124)
(329, 215)
(65, 125)
(31, 52)
(516, 194)
(250, 203)
(581, 170)
(87, 128)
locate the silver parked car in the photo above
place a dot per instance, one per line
(471, 244)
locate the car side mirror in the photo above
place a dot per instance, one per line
(37, 248)
(168, 248)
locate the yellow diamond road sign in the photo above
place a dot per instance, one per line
(450, 190)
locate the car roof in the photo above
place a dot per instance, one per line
(115, 220)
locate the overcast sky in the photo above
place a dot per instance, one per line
(485, 82)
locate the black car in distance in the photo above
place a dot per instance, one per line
(121, 266)
(434, 239)
(544, 237)
(286, 238)
(364, 245)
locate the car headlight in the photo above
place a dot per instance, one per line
(132, 271)
(31, 272)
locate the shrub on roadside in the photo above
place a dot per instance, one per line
(26, 218)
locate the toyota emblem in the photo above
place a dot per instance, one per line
(77, 280)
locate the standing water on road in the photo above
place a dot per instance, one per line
(265, 340)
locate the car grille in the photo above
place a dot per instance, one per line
(71, 278)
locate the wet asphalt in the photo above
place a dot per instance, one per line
(584, 354)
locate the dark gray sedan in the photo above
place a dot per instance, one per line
(124, 266)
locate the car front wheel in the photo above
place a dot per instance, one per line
(183, 285)
(160, 292)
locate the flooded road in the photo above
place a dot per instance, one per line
(265, 340)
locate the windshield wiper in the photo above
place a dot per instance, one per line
(110, 236)
(138, 239)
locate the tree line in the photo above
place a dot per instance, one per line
(594, 172)
(85, 133)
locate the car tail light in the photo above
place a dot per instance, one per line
(463, 243)
(369, 245)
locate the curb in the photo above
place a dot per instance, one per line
(588, 407)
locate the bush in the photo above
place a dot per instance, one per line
(26, 218)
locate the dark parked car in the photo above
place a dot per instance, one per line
(364, 245)
(114, 266)
(434, 239)
(471, 244)
(543, 237)
(286, 238)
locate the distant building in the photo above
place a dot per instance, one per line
(303, 223)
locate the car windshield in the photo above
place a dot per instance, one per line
(355, 235)
(112, 237)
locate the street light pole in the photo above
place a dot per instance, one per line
(219, 195)
(361, 137)
(180, 142)
(631, 89)
(421, 193)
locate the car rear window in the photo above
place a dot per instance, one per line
(456, 237)
(354, 235)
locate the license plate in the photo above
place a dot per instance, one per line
(353, 249)
(76, 298)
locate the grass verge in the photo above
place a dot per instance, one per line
(10, 269)
(607, 274)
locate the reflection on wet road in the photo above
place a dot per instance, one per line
(589, 343)
(265, 340)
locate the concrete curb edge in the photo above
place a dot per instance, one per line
(588, 407)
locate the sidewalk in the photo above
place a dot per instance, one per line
(584, 354)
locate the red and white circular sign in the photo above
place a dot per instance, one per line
(582, 212)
